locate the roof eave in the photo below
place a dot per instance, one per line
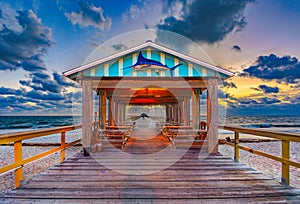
(148, 44)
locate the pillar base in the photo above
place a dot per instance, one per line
(86, 151)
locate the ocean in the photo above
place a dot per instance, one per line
(22, 123)
(10, 124)
(17, 123)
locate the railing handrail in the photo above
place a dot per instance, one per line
(17, 137)
(285, 138)
(264, 133)
(29, 134)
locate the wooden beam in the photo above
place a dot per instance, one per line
(140, 82)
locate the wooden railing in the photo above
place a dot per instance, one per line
(17, 138)
(285, 138)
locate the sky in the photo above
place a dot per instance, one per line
(258, 40)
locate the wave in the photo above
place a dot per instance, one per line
(267, 125)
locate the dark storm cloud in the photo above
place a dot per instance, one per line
(202, 20)
(89, 15)
(23, 40)
(273, 67)
(236, 48)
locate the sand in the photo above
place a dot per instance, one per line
(259, 163)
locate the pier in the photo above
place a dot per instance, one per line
(131, 157)
(142, 175)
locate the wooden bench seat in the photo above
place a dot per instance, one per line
(176, 134)
(117, 134)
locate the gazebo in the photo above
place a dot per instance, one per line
(149, 74)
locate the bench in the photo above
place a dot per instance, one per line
(117, 133)
(185, 133)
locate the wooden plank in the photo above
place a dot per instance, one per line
(176, 193)
(286, 199)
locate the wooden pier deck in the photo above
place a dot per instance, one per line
(107, 177)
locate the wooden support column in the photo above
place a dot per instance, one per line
(171, 112)
(124, 113)
(121, 112)
(175, 107)
(186, 111)
(180, 112)
(117, 113)
(87, 109)
(102, 109)
(18, 158)
(110, 111)
(196, 108)
(212, 115)
(167, 113)
(285, 169)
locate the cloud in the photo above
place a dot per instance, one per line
(135, 11)
(119, 47)
(236, 48)
(89, 15)
(44, 96)
(273, 67)
(229, 84)
(24, 41)
(61, 80)
(9, 91)
(267, 89)
(204, 21)
(266, 100)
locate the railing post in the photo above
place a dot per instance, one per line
(18, 158)
(63, 145)
(236, 149)
(285, 169)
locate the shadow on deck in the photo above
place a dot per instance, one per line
(151, 171)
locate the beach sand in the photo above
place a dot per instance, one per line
(261, 164)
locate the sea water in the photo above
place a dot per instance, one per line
(10, 124)
(274, 123)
